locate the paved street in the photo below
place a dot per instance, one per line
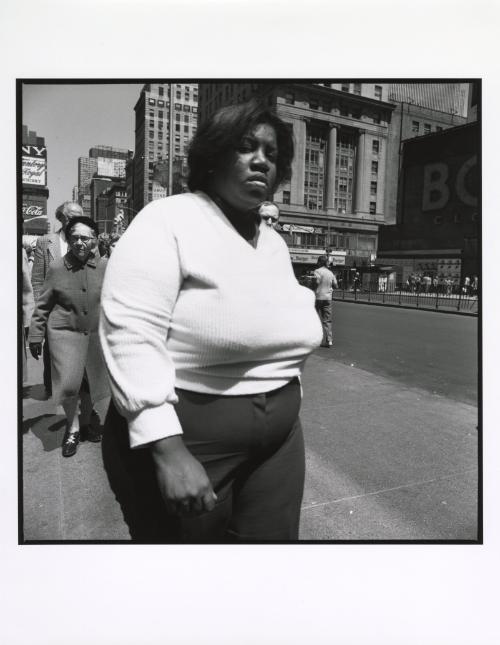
(390, 423)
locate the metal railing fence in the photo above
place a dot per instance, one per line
(455, 299)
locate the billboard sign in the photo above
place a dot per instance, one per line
(110, 167)
(34, 165)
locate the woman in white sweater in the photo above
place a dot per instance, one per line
(205, 340)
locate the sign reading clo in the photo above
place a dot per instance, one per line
(436, 189)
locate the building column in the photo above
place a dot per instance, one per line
(360, 204)
(330, 167)
(299, 163)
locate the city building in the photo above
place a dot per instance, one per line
(102, 160)
(437, 229)
(166, 118)
(336, 196)
(34, 183)
(420, 109)
(111, 205)
(74, 194)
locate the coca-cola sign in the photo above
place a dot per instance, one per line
(32, 210)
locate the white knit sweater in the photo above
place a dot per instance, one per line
(189, 303)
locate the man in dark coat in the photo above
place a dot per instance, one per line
(49, 248)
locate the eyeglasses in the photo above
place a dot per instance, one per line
(83, 238)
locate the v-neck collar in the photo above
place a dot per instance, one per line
(254, 243)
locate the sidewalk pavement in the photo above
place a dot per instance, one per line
(384, 462)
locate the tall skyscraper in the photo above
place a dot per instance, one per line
(103, 161)
(34, 183)
(166, 118)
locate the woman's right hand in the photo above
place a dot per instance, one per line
(36, 349)
(184, 484)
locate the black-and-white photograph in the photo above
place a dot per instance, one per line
(251, 310)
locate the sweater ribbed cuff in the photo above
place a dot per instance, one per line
(152, 424)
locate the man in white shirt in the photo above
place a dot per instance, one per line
(325, 283)
(49, 248)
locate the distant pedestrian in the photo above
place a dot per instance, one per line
(68, 310)
(466, 287)
(49, 248)
(113, 241)
(325, 283)
(103, 244)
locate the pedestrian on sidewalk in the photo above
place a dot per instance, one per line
(68, 311)
(49, 248)
(28, 308)
(325, 283)
(204, 360)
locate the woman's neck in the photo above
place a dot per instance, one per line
(246, 223)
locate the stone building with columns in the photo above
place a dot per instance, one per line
(335, 198)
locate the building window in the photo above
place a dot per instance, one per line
(151, 101)
(177, 117)
(376, 146)
(160, 90)
(186, 108)
(344, 171)
(178, 95)
(345, 87)
(286, 197)
(186, 128)
(439, 128)
(415, 126)
(177, 127)
(427, 128)
(315, 167)
(160, 103)
(378, 92)
(194, 109)
(356, 113)
(373, 208)
(343, 110)
(151, 114)
(151, 134)
(178, 106)
(374, 167)
(289, 98)
(376, 117)
(313, 105)
(357, 89)
(160, 114)
(373, 188)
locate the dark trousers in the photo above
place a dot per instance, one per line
(253, 452)
(324, 309)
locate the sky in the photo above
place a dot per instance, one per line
(74, 118)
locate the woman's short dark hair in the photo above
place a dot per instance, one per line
(221, 134)
(80, 219)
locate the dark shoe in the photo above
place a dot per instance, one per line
(88, 433)
(70, 443)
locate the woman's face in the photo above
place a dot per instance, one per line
(249, 176)
(81, 241)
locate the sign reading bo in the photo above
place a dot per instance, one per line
(443, 181)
